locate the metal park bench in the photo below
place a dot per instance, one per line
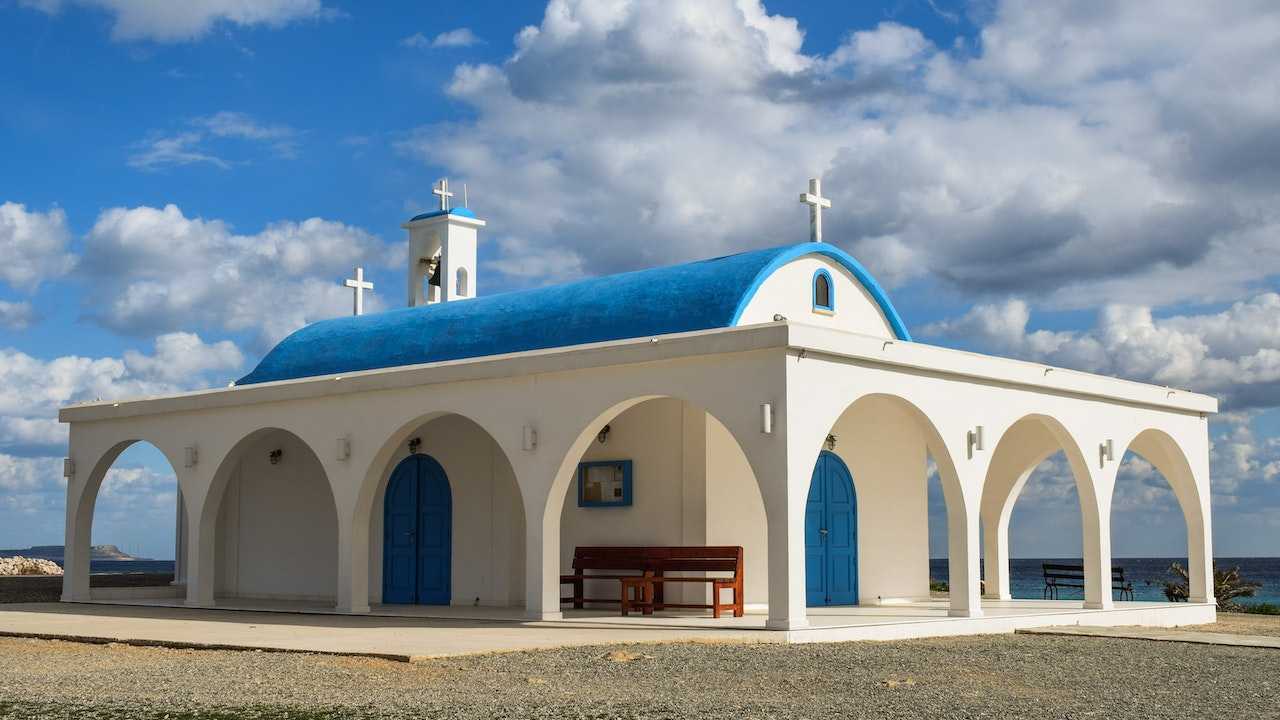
(1057, 576)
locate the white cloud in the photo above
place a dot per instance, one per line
(1072, 155)
(174, 150)
(156, 270)
(888, 45)
(461, 37)
(34, 247)
(16, 315)
(170, 22)
(32, 389)
(192, 146)
(1234, 353)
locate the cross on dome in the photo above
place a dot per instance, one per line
(442, 189)
(816, 203)
(359, 285)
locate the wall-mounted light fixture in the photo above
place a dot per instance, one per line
(975, 440)
(414, 444)
(275, 455)
(530, 440)
(766, 418)
(603, 435)
(831, 441)
(190, 456)
(1106, 452)
(68, 468)
(343, 448)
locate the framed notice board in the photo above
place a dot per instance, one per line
(604, 483)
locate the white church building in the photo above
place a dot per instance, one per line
(453, 454)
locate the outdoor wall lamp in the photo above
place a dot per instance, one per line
(831, 441)
(343, 448)
(766, 418)
(190, 456)
(1106, 453)
(68, 468)
(275, 455)
(603, 435)
(414, 444)
(975, 440)
(530, 440)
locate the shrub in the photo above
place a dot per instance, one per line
(1227, 586)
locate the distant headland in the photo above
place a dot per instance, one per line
(55, 553)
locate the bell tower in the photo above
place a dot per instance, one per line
(442, 251)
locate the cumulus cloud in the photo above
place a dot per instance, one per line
(1067, 155)
(157, 270)
(1234, 354)
(34, 247)
(192, 145)
(16, 315)
(32, 389)
(462, 37)
(171, 22)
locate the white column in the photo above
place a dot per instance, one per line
(179, 541)
(1096, 516)
(784, 484)
(542, 557)
(353, 563)
(201, 536)
(963, 559)
(995, 557)
(75, 559)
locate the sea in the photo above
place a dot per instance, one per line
(1147, 575)
(1026, 579)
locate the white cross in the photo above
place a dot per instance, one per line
(442, 189)
(359, 285)
(816, 202)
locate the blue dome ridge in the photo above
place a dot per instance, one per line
(700, 295)
(461, 212)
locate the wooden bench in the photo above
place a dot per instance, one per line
(642, 575)
(1058, 576)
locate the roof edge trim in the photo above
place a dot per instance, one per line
(843, 258)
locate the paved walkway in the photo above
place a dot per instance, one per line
(438, 632)
(403, 639)
(1159, 634)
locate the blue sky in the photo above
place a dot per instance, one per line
(183, 186)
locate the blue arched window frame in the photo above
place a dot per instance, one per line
(830, 307)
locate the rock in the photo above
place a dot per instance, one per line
(19, 565)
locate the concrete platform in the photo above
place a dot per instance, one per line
(401, 632)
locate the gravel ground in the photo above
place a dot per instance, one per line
(974, 677)
(48, 588)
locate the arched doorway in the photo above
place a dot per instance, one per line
(417, 534)
(831, 535)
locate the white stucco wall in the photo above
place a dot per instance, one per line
(691, 486)
(789, 292)
(277, 527)
(886, 455)
(488, 517)
(735, 509)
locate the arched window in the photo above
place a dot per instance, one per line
(463, 290)
(824, 293)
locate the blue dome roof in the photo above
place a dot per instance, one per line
(463, 212)
(681, 298)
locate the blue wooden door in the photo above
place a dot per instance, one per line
(831, 535)
(435, 532)
(417, 534)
